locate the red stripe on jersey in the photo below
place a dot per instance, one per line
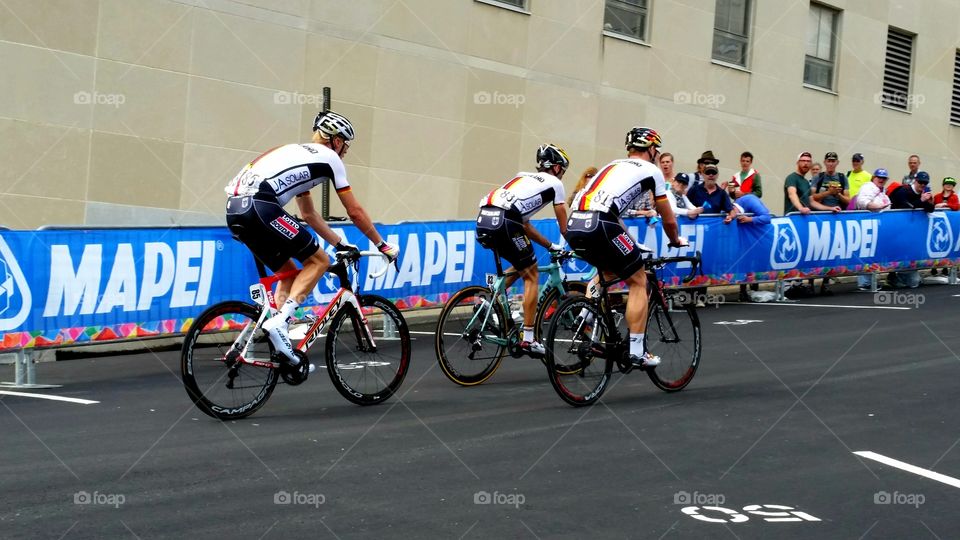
(261, 156)
(585, 200)
(505, 186)
(343, 190)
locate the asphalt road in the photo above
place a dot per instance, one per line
(773, 418)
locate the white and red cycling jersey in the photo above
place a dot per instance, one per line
(289, 170)
(616, 186)
(527, 193)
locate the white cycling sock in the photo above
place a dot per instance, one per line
(636, 344)
(283, 316)
(528, 333)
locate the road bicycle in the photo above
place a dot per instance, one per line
(230, 368)
(584, 341)
(476, 327)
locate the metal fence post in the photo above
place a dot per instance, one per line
(25, 373)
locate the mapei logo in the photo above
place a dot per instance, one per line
(786, 252)
(939, 236)
(15, 297)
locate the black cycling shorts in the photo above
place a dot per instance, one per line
(502, 231)
(273, 235)
(599, 239)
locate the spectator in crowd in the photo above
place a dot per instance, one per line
(707, 158)
(913, 163)
(796, 190)
(830, 187)
(814, 171)
(914, 196)
(742, 205)
(666, 166)
(872, 197)
(643, 206)
(947, 199)
(585, 177)
(678, 197)
(708, 195)
(747, 180)
(857, 177)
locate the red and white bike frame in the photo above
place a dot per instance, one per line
(262, 294)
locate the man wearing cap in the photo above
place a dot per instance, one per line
(706, 158)
(872, 197)
(915, 196)
(913, 163)
(857, 177)
(796, 190)
(830, 187)
(677, 196)
(709, 195)
(747, 180)
(947, 199)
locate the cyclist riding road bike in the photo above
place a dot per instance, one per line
(256, 217)
(596, 232)
(504, 227)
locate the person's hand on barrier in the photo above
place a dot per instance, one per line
(694, 212)
(804, 210)
(391, 251)
(744, 219)
(727, 219)
(836, 209)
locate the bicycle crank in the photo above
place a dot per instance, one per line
(294, 375)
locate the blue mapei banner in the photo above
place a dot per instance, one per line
(60, 287)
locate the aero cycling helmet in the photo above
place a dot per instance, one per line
(549, 155)
(643, 137)
(332, 125)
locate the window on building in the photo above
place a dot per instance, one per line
(896, 71)
(820, 65)
(731, 32)
(955, 104)
(627, 18)
(519, 4)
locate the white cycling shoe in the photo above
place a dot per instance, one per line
(646, 360)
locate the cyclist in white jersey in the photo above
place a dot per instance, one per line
(256, 217)
(596, 232)
(504, 227)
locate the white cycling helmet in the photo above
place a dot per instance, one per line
(332, 124)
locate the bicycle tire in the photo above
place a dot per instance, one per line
(365, 375)
(205, 345)
(548, 307)
(675, 338)
(454, 341)
(576, 372)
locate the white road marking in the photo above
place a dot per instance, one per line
(819, 305)
(52, 398)
(949, 480)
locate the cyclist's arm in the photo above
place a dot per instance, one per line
(359, 216)
(534, 234)
(313, 218)
(561, 211)
(669, 220)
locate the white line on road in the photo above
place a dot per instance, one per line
(949, 480)
(52, 398)
(819, 305)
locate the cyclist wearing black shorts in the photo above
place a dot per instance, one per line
(504, 227)
(256, 216)
(596, 232)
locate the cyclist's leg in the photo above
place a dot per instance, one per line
(298, 288)
(637, 302)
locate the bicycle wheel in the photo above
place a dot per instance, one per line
(224, 389)
(548, 307)
(471, 336)
(368, 356)
(674, 336)
(576, 361)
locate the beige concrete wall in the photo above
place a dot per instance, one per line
(110, 106)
